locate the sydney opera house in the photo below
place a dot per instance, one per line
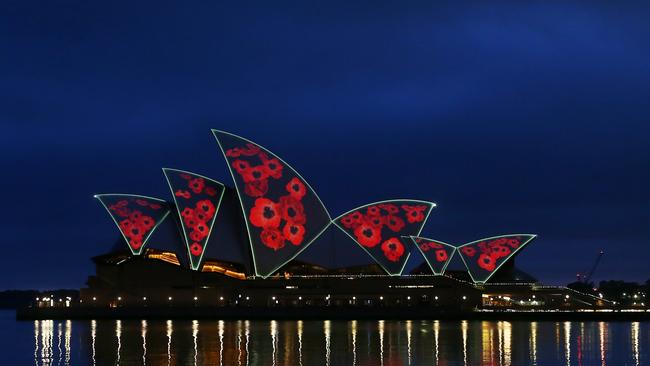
(269, 242)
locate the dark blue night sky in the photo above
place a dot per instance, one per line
(513, 117)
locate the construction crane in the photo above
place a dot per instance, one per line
(584, 278)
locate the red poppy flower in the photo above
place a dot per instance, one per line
(292, 210)
(185, 176)
(196, 184)
(294, 233)
(249, 150)
(135, 243)
(190, 221)
(141, 202)
(351, 221)
(272, 238)
(122, 203)
(433, 245)
(373, 211)
(257, 188)
(486, 262)
(196, 235)
(202, 228)
(367, 235)
(513, 243)
(210, 191)
(441, 255)
(389, 207)
(122, 212)
(468, 251)
(265, 214)
(241, 166)
(135, 215)
(196, 249)
(146, 222)
(125, 225)
(499, 251)
(134, 232)
(200, 216)
(273, 167)
(395, 223)
(206, 207)
(187, 212)
(376, 221)
(393, 249)
(425, 247)
(254, 174)
(235, 152)
(500, 241)
(183, 193)
(155, 206)
(414, 213)
(296, 188)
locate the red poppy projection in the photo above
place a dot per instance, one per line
(136, 216)
(437, 254)
(379, 228)
(484, 257)
(197, 200)
(283, 214)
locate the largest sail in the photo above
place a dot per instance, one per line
(283, 214)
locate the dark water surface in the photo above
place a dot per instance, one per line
(417, 342)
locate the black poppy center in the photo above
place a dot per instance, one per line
(268, 213)
(293, 230)
(392, 246)
(272, 166)
(295, 187)
(257, 174)
(367, 233)
(291, 212)
(135, 231)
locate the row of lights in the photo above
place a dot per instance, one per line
(170, 298)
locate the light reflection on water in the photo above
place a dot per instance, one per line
(382, 342)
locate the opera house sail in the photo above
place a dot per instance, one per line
(283, 214)
(485, 256)
(135, 216)
(197, 200)
(379, 229)
(436, 253)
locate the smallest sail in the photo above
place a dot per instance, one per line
(437, 254)
(135, 216)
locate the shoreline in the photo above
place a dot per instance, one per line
(322, 313)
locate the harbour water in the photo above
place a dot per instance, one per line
(379, 342)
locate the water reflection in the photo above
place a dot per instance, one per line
(327, 328)
(383, 342)
(436, 332)
(144, 342)
(602, 337)
(463, 327)
(93, 335)
(634, 330)
(169, 332)
(533, 343)
(47, 349)
(118, 334)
